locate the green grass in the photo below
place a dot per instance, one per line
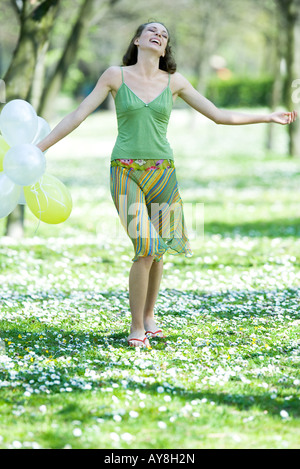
(227, 375)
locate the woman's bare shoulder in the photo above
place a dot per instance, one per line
(179, 82)
(112, 72)
(112, 77)
(179, 79)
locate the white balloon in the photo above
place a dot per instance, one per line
(42, 131)
(9, 195)
(18, 122)
(24, 164)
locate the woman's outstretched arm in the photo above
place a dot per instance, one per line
(191, 96)
(89, 104)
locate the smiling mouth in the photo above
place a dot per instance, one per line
(155, 41)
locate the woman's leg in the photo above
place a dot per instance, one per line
(155, 276)
(145, 275)
(138, 287)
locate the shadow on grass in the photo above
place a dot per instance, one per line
(243, 401)
(280, 228)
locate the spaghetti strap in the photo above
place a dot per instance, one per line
(169, 79)
(122, 74)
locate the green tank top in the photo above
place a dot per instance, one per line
(142, 127)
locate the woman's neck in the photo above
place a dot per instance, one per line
(147, 64)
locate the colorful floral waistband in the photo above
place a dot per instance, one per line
(143, 165)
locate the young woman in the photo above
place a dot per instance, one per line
(143, 179)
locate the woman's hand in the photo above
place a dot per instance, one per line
(283, 117)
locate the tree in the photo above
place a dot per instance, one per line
(289, 37)
(36, 24)
(54, 83)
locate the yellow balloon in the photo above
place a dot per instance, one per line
(4, 147)
(49, 200)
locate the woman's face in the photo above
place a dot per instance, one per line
(154, 36)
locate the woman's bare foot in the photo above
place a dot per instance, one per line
(138, 339)
(152, 329)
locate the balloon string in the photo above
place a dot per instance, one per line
(38, 225)
(35, 192)
(55, 200)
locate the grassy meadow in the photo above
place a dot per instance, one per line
(227, 374)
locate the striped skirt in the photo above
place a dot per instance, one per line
(149, 206)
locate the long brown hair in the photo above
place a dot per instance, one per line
(166, 63)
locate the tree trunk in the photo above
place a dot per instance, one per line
(278, 72)
(289, 11)
(55, 82)
(35, 28)
(295, 90)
